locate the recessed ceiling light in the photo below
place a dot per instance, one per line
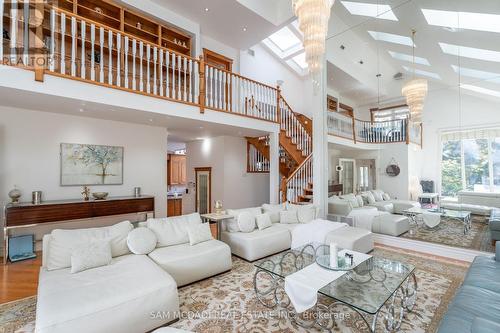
(409, 58)
(207, 9)
(422, 72)
(81, 110)
(462, 20)
(201, 127)
(481, 90)
(244, 29)
(470, 52)
(391, 38)
(370, 9)
(489, 76)
(150, 120)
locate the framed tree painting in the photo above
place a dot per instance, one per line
(83, 164)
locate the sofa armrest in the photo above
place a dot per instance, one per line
(338, 207)
(481, 325)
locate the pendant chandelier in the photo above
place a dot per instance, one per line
(313, 18)
(415, 92)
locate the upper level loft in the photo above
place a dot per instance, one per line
(100, 43)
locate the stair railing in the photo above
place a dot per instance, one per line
(294, 128)
(256, 161)
(293, 187)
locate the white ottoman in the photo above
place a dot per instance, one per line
(351, 238)
(390, 224)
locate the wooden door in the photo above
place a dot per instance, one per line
(174, 170)
(203, 177)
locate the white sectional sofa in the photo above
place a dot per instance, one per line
(122, 296)
(478, 203)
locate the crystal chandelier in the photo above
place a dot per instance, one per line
(415, 92)
(313, 18)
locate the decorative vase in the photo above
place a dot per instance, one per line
(218, 207)
(14, 195)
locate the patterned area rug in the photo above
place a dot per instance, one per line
(227, 303)
(451, 232)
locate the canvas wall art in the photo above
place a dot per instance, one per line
(83, 164)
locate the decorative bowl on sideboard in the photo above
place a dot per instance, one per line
(100, 195)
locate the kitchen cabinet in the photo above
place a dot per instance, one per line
(174, 207)
(176, 170)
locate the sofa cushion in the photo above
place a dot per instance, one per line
(351, 198)
(263, 221)
(361, 203)
(231, 225)
(273, 211)
(141, 240)
(187, 264)
(62, 242)
(383, 206)
(119, 297)
(386, 197)
(246, 222)
(481, 325)
(306, 214)
(173, 230)
(90, 255)
(400, 206)
(199, 233)
(484, 273)
(338, 206)
(378, 195)
(368, 198)
(289, 216)
(291, 207)
(259, 243)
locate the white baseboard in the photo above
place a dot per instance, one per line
(430, 248)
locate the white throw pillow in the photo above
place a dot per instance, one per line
(377, 194)
(199, 233)
(306, 214)
(273, 211)
(90, 255)
(231, 225)
(141, 240)
(352, 199)
(361, 203)
(386, 197)
(289, 217)
(62, 242)
(368, 198)
(290, 206)
(246, 222)
(173, 230)
(264, 221)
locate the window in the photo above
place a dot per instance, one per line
(471, 162)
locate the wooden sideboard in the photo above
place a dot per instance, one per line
(23, 215)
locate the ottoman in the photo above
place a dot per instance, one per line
(351, 238)
(390, 224)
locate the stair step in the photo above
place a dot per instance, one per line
(304, 199)
(301, 202)
(308, 189)
(307, 196)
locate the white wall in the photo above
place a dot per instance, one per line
(230, 181)
(29, 156)
(266, 68)
(221, 48)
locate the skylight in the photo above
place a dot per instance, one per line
(300, 60)
(391, 38)
(423, 73)
(370, 9)
(481, 90)
(284, 39)
(462, 20)
(409, 58)
(470, 52)
(491, 77)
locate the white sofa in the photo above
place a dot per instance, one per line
(122, 296)
(478, 203)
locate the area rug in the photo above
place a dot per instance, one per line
(451, 232)
(227, 303)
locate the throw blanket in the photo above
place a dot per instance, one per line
(363, 218)
(302, 287)
(313, 232)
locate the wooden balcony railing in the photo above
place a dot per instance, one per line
(81, 49)
(293, 186)
(393, 131)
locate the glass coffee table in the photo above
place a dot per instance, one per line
(460, 215)
(374, 285)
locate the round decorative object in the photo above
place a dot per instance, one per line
(14, 195)
(98, 10)
(392, 170)
(100, 195)
(141, 240)
(218, 207)
(343, 265)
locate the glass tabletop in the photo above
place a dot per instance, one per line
(458, 214)
(367, 287)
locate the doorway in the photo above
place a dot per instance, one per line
(203, 178)
(347, 175)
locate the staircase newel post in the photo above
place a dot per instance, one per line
(407, 131)
(283, 189)
(201, 98)
(278, 109)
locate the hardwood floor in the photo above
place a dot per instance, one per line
(19, 280)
